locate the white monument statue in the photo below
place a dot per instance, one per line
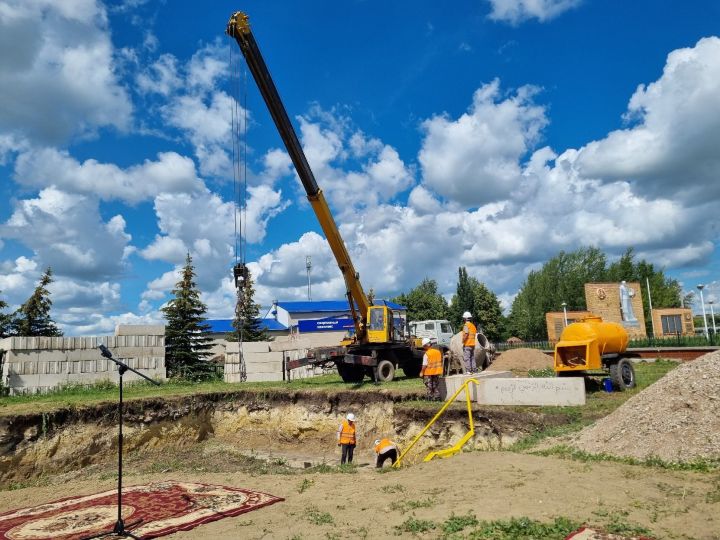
(626, 309)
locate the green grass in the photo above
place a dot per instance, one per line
(82, 395)
(524, 528)
(700, 465)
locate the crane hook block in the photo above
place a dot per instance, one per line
(240, 273)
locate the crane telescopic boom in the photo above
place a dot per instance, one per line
(239, 28)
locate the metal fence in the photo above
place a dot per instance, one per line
(678, 340)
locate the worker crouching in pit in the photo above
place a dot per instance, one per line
(346, 439)
(385, 449)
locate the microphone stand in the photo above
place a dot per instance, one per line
(119, 528)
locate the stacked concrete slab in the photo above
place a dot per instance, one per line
(264, 360)
(261, 364)
(39, 364)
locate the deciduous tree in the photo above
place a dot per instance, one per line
(5, 320)
(424, 302)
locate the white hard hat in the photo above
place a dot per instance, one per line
(467, 315)
(351, 417)
(377, 441)
(425, 341)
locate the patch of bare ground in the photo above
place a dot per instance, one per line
(676, 419)
(364, 503)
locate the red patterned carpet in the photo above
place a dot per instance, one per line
(160, 508)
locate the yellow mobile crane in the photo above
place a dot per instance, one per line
(379, 346)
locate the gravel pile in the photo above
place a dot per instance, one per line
(521, 361)
(675, 419)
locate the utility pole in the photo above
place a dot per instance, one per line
(308, 266)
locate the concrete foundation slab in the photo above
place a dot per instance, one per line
(531, 391)
(450, 384)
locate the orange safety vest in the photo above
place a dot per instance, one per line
(469, 341)
(434, 365)
(347, 433)
(384, 445)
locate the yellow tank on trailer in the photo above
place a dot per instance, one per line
(592, 345)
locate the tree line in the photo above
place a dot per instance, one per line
(561, 279)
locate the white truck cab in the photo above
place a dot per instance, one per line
(440, 332)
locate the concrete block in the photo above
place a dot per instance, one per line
(450, 384)
(264, 367)
(290, 345)
(532, 391)
(140, 329)
(252, 347)
(264, 377)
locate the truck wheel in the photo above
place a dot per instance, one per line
(385, 371)
(412, 369)
(351, 373)
(622, 374)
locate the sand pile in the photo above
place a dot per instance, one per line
(520, 361)
(675, 419)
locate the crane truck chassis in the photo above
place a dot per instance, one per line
(378, 346)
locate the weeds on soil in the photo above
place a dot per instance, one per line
(315, 516)
(566, 452)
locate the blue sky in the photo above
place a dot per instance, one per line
(489, 133)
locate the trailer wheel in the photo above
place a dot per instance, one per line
(622, 374)
(351, 373)
(385, 371)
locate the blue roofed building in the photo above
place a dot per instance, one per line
(317, 316)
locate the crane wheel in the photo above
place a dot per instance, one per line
(622, 374)
(351, 373)
(385, 371)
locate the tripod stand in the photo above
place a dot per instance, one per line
(119, 528)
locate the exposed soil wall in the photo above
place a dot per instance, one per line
(292, 424)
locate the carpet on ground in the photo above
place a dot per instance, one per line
(148, 511)
(586, 533)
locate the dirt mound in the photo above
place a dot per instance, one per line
(520, 361)
(675, 419)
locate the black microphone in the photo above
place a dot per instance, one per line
(104, 351)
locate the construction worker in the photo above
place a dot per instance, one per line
(468, 339)
(385, 449)
(432, 368)
(346, 438)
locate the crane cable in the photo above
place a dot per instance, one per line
(239, 131)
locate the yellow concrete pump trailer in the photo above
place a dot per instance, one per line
(592, 345)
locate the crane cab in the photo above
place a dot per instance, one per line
(380, 324)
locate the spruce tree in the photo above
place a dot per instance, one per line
(247, 316)
(33, 317)
(187, 336)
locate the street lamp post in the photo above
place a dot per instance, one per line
(564, 306)
(702, 302)
(712, 316)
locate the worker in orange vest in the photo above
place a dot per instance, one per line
(432, 368)
(346, 438)
(468, 338)
(385, 449)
